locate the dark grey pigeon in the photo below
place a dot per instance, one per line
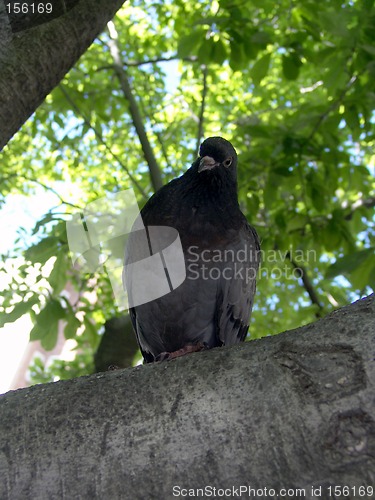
(212, 306)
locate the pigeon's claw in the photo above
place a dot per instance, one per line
(166, 356)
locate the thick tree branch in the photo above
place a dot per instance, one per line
(34, 61)
(291, 411)
(123, 77)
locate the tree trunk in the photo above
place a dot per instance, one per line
(34, 61)
(294, 411)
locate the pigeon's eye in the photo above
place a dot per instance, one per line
(228, 162)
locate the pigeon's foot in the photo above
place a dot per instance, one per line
(113, 367)
(164, 356)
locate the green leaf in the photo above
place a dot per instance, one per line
(19, 310)
(205, 51)
(364, 274)
(58, 277)
(71, 327)
(252, 204)
(270, 190)
(238, 58)
(299, 221)
(349, 263)
(334, 22)
(352, 120)
(43, 221)
(251, 50)
(331, 235)
(317, 197)
(280, 219)
(316, 189)
(283, 171)
(260, 68)
(91, 333)
(259, 131)
(53, 311)
(43, 250)
(219, 52)
(370, 49)
(291, 65)
(317, 233)
(371, 276)
(46, 334)
(336, 76)
(188, 44)
(47, 323)
(261, 38)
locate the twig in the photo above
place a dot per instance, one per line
(316, 127)
(331, 108)
(49, 188)
(161, 59)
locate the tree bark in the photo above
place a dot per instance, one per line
(33, 62)
(292, 411)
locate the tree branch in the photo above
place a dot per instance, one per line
(51, 190)
(160, 59)
(153, 124)
(309, 287)
(332, 107)
(122, 75)
(144, 432)
(99, 136)
(38, 58)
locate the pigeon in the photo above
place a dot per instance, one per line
(212, 306)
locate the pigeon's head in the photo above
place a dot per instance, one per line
(217, 154)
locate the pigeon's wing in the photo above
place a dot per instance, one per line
(138, 282)
(182, 317)
(236, 294)
(147, 356)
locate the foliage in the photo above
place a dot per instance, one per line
(291, 84)
(58, 369)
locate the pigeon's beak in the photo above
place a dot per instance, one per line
(207, 163)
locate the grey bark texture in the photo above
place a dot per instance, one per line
(34, 61)
(292, 411)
